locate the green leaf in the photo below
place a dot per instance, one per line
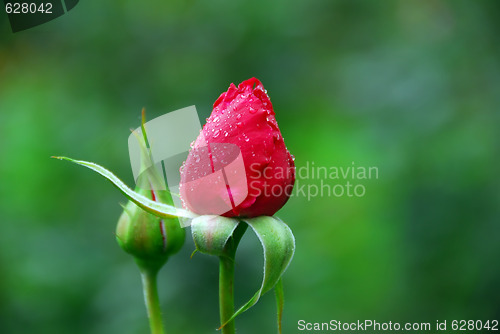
(155, 208)
(211, 233)
(278, 244)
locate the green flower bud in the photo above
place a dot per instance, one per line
(150, 239)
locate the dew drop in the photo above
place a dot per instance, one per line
(216, 133)
(252, 110)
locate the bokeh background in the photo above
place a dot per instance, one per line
(411, 87)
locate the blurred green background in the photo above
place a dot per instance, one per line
(411, 87)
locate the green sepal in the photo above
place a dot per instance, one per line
(158, 209)
(278, 243)
(211, 233)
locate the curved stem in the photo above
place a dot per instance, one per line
(226, 280)
(151, 299)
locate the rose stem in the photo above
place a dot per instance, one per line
(151, 299)
(226, 280)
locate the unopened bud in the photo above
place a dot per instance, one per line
(150, 239)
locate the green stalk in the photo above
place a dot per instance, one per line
(226, 280)
(226, 293)
(151, 299)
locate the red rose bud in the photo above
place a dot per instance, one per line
(239, 165)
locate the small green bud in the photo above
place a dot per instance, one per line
(150, 239)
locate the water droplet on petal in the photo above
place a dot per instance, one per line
(252, 110)
(244, 137)
(216, 133)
